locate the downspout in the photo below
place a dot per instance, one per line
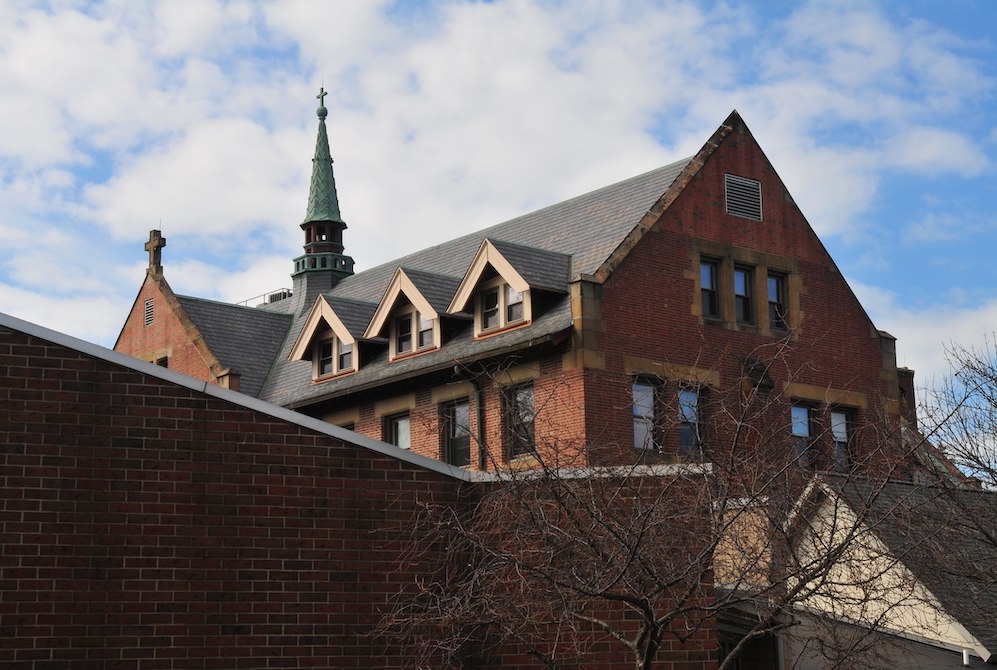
(479, 407)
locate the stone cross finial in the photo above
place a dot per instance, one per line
(321, 96)
(154, 246)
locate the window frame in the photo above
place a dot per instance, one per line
(709, 267)
(841, 450)
(454, 433)
(335, 358)
(503, 291)
(394, 432)
(803, 443)
(695, 447)
(645, 425)
(778, 308)
(744, 302)
(413, 315)
(521, 437)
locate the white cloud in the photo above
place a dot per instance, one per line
(223, 177)
(926, 332)
(454, 117)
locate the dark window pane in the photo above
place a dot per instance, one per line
(643, 415)
(490, 309)
(399, 431)
(425, 332)
(403, 334)
(742, 295)
(708, 282)
(345, 356)
(777, 302)
(521, 420)
(325, 358)
(689, 424)
(457, 420)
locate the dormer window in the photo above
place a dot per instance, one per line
(500, 306)
(411, 332)
(332, 356)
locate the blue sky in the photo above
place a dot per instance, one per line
(197, 117)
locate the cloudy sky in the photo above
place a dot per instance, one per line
(198, 117)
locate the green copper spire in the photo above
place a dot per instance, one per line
(323, 204)
(323, 263)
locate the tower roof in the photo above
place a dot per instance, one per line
(323, 203)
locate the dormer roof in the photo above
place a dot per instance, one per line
(348, 319)
(430, 294)
(521, 267)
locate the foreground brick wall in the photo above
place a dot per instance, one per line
(146, 525)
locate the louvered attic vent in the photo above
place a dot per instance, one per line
(744, 197)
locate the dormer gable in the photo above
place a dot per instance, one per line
(411, 310)
(331, 336)
(500, 281)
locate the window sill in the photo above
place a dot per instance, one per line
(484, 334)
(412, 354)
(329, 378)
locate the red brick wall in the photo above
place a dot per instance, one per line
(650, 301)
(145, 525)
(165, 337)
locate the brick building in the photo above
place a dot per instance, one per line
(151, 520)
(600, 329)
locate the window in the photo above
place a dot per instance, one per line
(645, 399)
(456, 420)
(690, 424)
(742, 295)
(513, 305)
(777, 301)
(332, 356)
(398, 430)
(150, 313)
(499, 306)
(412, 332)
(403, 334)
(520, 417)
(425, 331)
(840, 441)
(163, 362)
(744, 197)
(345, 355)
(803, 434)
(708, 288)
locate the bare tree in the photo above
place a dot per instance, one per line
(572, 565)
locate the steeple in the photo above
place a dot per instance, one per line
(323, 224)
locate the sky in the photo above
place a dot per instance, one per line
(197, 117)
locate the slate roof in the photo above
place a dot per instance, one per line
(540, 268)
(575, 236)
(354, 314)
(437, 289)
(588, 228)
(242, 338)
(946, 536)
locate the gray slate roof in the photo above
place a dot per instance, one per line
(581, 233)
(946, 536)
(550, 270)
(354, 314)
(437, 289)
(243, 338)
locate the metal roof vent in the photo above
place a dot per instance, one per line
(744, 197)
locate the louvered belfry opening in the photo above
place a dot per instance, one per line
(744, 197)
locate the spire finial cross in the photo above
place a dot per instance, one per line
(155, 248)
(321, 96)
